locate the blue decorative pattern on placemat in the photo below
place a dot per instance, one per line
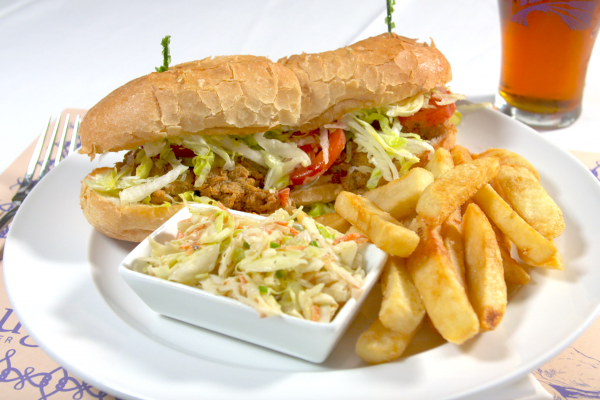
(48, 384)
(596, 170)
(569, 381)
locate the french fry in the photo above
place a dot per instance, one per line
(529, 241)
(555, 262)
(440, 163)
(399, 197)
(353, 229)
(407, 221)
(401, 308)
(444, 297)
(485, 273)
(460, 155)
(379, 344)
(496, 186)
(335, 221)
(458, 273)
(453, 240)
(382, 229)
(523, 191)
(417, 225)
(508, 157)
(325, 193)
(514, 273)
(455, 187)
(455, 218)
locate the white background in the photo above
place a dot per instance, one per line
(69, 54)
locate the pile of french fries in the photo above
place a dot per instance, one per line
(450, 229)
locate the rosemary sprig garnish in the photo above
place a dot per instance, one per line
(166, 54)
(390, 10)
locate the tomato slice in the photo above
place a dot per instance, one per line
(310, 150)
(431, 116)
(181, 152)
(304, 175)
(284, 196)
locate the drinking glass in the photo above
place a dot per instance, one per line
(546, 47)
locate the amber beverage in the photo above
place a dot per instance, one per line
(546, 47)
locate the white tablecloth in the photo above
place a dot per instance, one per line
(68, 53)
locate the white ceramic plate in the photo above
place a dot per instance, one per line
(62, 280)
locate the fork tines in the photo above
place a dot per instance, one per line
(45, 160)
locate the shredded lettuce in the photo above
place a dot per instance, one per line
(456, 118)
(388, 145)
(192, 197)
(139, 192)
(442, 99)
(283, 150)
(202, 166)
(376, 132)
(374, 179)
(319, 209)
(143, 170)
(409, 106)
(153, 148)
(324, 140)
(223, 153)
(240, 146)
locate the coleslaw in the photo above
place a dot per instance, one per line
(283, 264)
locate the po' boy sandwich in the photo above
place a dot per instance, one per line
(258, 135)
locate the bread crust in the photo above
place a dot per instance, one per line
(249, 94)
(376, 71)
(132, 222)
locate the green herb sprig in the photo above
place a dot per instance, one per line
(166, 54)
(390, 11)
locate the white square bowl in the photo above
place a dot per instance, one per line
(308, 340)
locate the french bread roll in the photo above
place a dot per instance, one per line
(131, 222)
(377, 71)
(243, 95)
(234, 95)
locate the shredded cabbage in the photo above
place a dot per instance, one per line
(140, 192)
(281, 149)
(376, 132)
(202, 166)
(143, 170)
(456, 118)
(442, 99)
(374, 179)
(324, 140)
(153, 148)
(240, 147)
(409, 106)
(281, 264)
(318, 209)
(388, 145)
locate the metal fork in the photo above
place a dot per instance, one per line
(44, 160)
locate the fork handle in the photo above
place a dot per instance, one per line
(6, 218)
